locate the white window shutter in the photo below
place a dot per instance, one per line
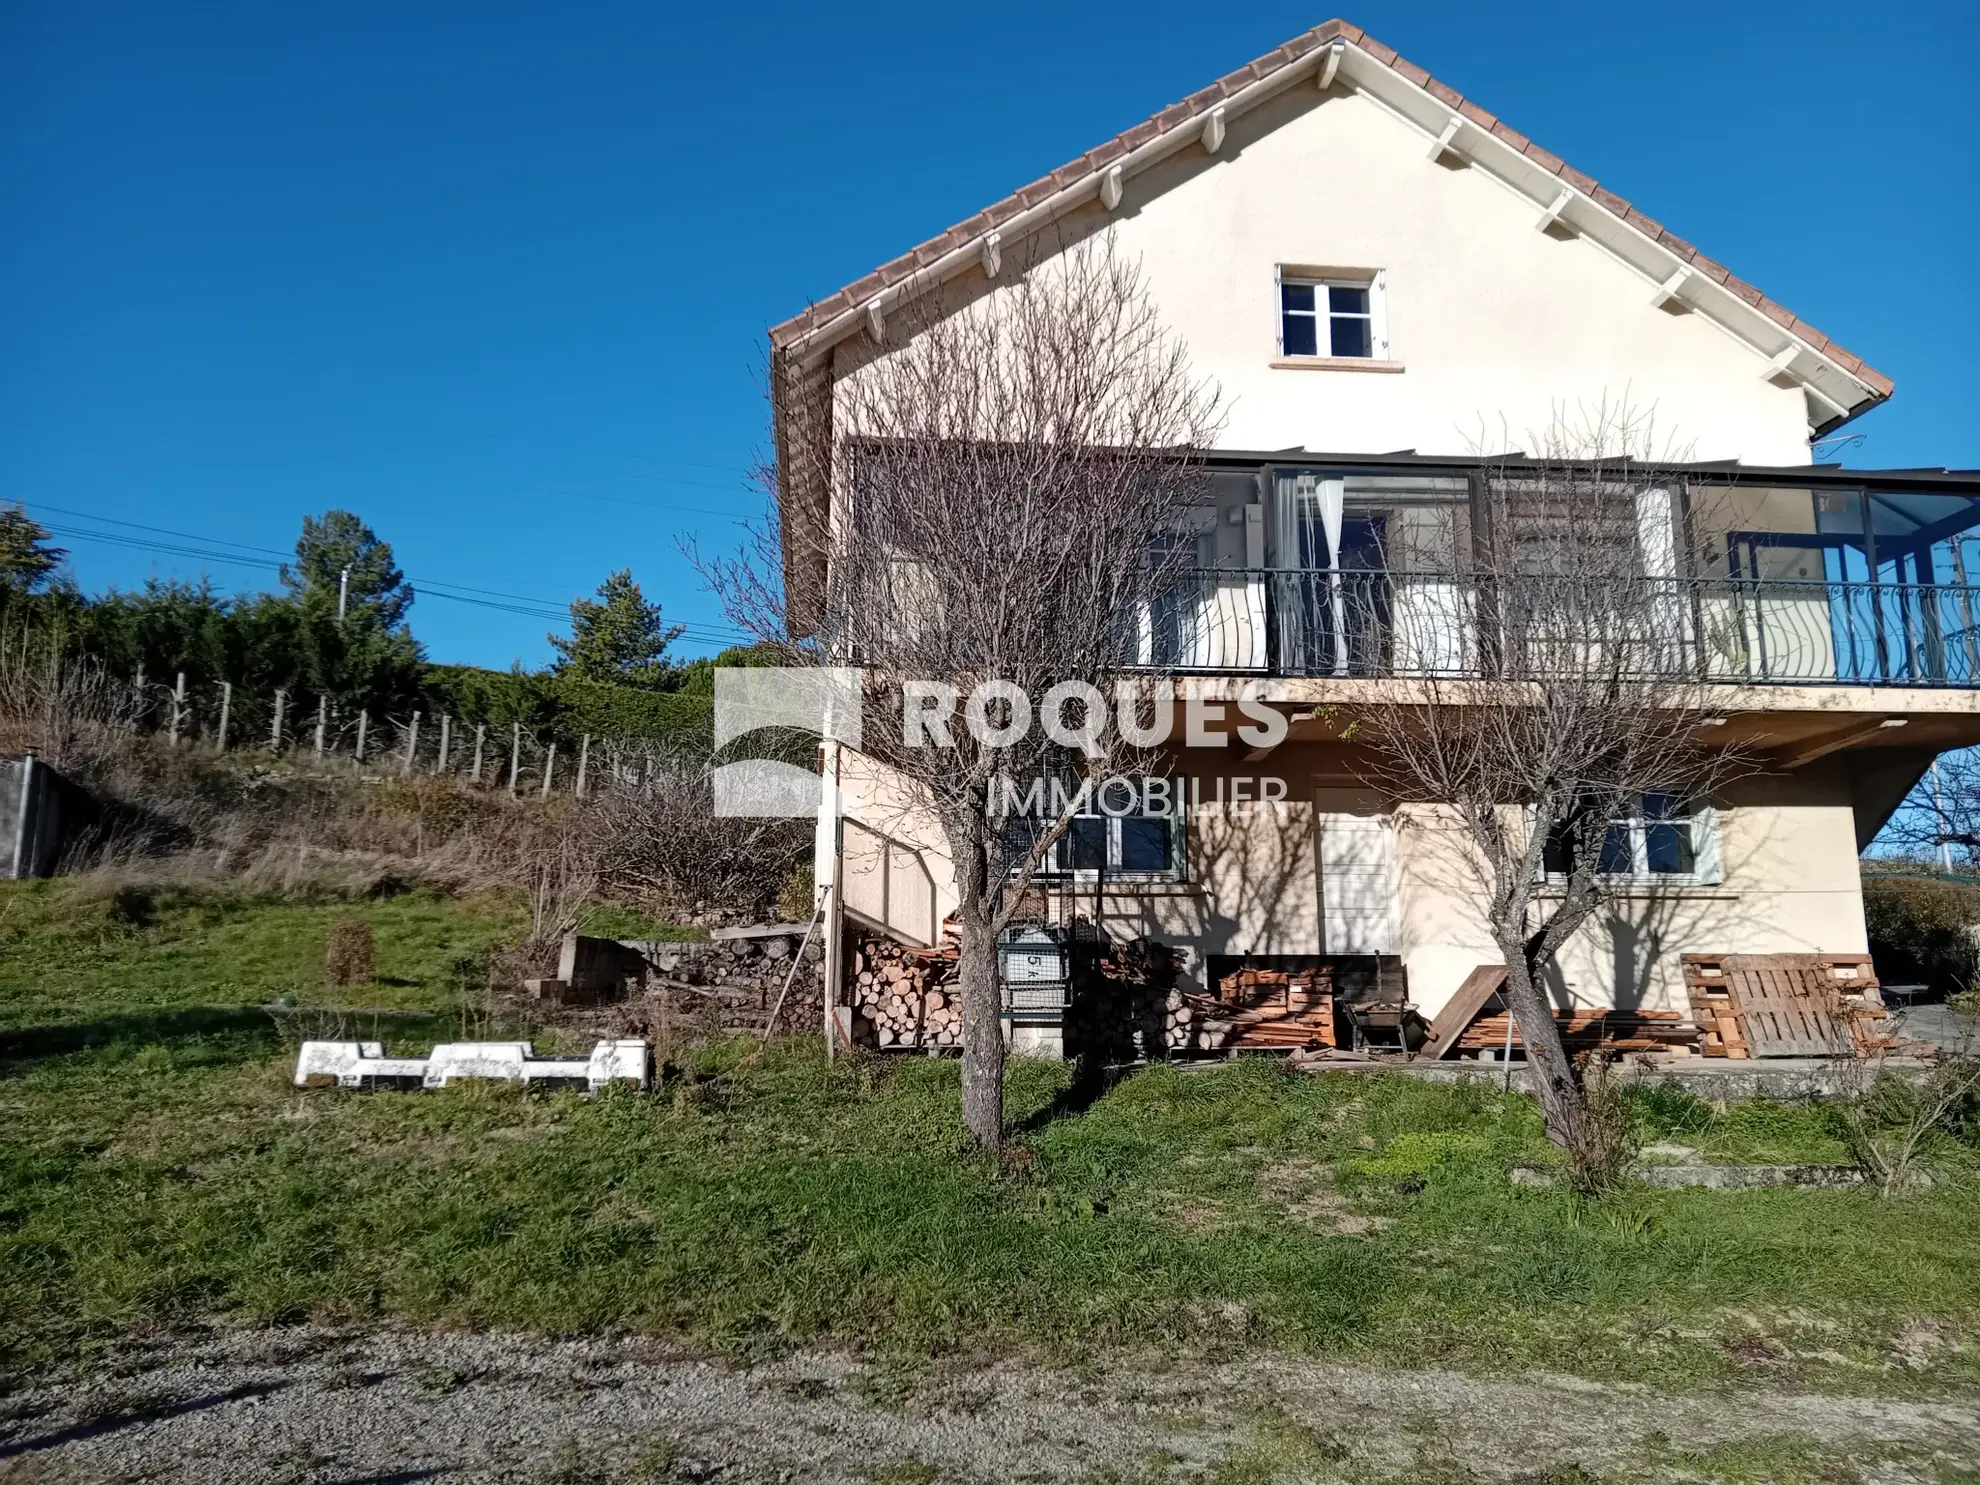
(1707, 864)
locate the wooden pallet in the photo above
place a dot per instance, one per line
(1786, 1005)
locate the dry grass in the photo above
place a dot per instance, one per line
(348, 957)
(309, 829)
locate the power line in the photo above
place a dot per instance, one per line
(515, 603)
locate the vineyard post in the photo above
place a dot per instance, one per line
(445, 729)
(412, 747)
(322, 721)
(178, 707)
(275, 732)
(226, 706)
(584, 763)
(364, 720)
(549, 769)
(480, 733)
(515, 755)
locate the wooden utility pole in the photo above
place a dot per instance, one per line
(322, 721)
(275, 733)
(226, 706)
(441, 766)
(584, 763)
(480, 733)
(412, 747)
(178, 707)
(515, 755)
(549, 769)
(364, 720)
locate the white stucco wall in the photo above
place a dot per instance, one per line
(1497, 324)
(1491, 317)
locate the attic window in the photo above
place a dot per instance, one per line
(1329, 317)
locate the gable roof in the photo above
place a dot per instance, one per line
(1839, 385)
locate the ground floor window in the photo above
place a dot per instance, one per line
(1124, 829)
(1664, 837)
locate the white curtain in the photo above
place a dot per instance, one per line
(1333, 495)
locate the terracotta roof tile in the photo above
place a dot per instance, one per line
(1779, 313)
(1650, 227)
(1204, 99)
(1716, 272)
(1744, 290)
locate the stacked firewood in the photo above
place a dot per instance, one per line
(1196, 1023)
(904, 997)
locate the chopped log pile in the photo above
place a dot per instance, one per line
(1786, 1005)
(905, 998)
(1126, 1004)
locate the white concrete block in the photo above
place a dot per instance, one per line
(365, 1065)
(451, 1061)
(627, 1060)
(356, 1065)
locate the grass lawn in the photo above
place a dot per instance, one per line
(155, 1166)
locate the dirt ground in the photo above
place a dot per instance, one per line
(318, 1407)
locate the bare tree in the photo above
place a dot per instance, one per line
(1567, 734)
(1939, 821)
(999, 484)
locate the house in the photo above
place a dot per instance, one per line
(1373, 268)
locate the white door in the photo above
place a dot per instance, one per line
(1357, 851)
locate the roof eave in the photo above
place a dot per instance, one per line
(1838, 385)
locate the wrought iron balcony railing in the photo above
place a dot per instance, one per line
(1311, 622)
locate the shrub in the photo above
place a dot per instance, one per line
(1604, 1143)
(1922, 930)
(348, 960)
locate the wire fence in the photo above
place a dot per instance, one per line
(509, 755)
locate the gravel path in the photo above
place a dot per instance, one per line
(319, 1407)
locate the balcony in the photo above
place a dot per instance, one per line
(1737, 630)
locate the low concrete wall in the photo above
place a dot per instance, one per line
(39, 812)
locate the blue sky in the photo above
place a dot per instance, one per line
(496, 276)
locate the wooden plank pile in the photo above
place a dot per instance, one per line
(903, 997)
(1475, 1021)
(1590, 1030)
(1786, 1005)
(1274, 1008)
